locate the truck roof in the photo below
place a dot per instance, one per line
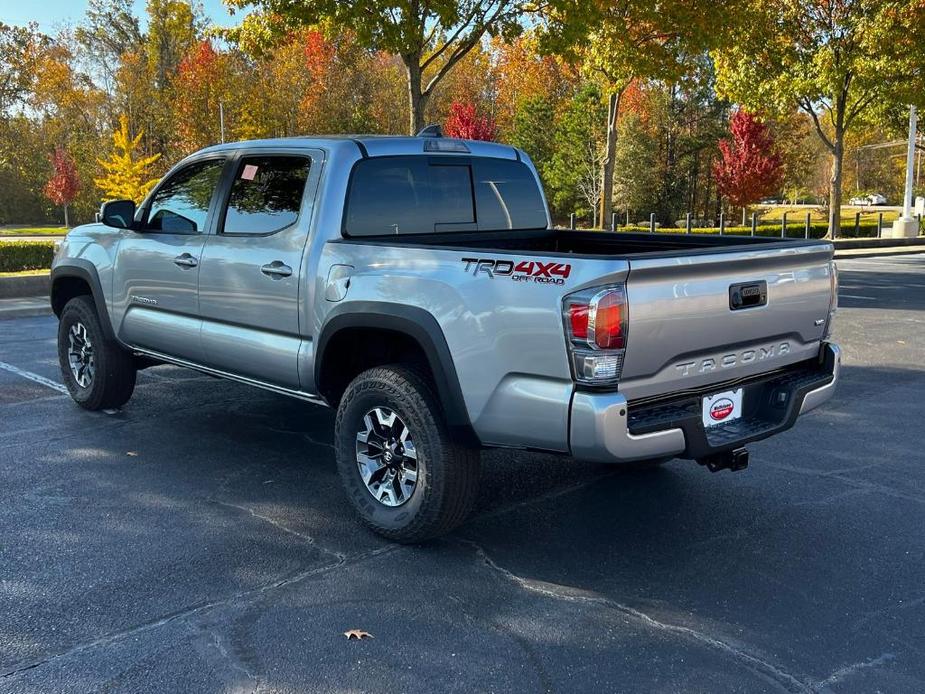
(378, 145)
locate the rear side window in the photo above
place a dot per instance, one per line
(423, 195)
(266, 194)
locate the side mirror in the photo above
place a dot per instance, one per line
(118, 213)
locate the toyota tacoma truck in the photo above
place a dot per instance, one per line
(418, 286)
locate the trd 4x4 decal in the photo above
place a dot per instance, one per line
(520, 271)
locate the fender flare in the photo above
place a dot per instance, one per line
(86, 271)
(420, 326)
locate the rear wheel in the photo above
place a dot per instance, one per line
(98, 373)
(404, 475)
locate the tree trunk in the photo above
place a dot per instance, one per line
(606, 206)
(416, 100)
(67, 224)
(838, 155)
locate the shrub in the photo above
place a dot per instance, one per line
(16, 256)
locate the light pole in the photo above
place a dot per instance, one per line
(907, 225)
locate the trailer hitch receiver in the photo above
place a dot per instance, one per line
(734, 460)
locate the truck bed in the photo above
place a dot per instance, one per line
(587, 243)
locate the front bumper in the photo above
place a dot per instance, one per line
(606, 428)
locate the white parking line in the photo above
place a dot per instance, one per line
(857, 296)
(33, 377)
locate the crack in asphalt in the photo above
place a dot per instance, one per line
(283, 528)
(842, 673)
(186, 613)
(784, 679)
(233, 662)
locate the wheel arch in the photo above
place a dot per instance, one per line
(79, 278)
(412, 326)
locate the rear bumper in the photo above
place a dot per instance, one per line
(606, 428)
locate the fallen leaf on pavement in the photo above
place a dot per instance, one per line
(358, 634)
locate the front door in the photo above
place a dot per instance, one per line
(250, 273)
(156, 275)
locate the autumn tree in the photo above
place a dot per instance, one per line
(174, 28)
(429, 37)
(837, 60)
(64, 184)
(127, 174)
(749, 167)
(207, 83)
(523, 74)
(466, 123)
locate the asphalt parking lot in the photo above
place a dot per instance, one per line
(197, 540)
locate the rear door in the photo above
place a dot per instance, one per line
(706, 318)
(156, 274)
(249, 282)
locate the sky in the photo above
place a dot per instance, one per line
(51, 14)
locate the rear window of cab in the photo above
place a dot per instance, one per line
(433, 194)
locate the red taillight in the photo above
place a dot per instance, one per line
(608, 321)
(595, 326)
(578, 318)
(599, 319)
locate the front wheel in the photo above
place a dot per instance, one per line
(98, 373)
(404, 475)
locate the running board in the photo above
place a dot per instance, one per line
(281, 390)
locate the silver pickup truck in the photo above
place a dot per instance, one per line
(417, 285)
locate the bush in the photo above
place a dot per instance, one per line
(16, 256)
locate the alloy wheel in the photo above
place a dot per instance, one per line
(80, 355)
(387, 457)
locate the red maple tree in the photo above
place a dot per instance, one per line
(465, 123)
(63, 186)
(750, 166)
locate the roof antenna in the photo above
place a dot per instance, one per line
(433, 130)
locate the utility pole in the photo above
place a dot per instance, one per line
(907, 225)
(221, 119)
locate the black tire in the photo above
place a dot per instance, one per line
(447, 472)
(113, 378)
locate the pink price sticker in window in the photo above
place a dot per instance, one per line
(249, 172)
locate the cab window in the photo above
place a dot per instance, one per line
(424, 195)
(181, 204)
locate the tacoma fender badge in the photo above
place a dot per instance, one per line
(144, 300)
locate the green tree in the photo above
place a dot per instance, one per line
(636, 174)
(574, 173)
(430, 37)
(533, 131)
(618, 42)
(837, 60)
(127, 176)
(109, 29)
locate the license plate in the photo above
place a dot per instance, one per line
(722, 408)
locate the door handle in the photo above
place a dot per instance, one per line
(276, 270)
(185, 260)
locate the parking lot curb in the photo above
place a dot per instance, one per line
(25, 307)
(24, 286)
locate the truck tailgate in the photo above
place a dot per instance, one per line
(710, 318)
